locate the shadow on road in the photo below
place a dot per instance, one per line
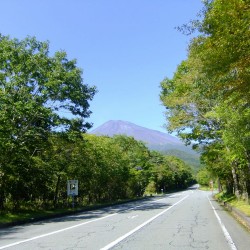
(81, 217)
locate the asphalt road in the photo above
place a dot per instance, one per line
(183, 220)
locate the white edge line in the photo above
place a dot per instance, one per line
(55, 232)
(68, 228)
(112, 244)
(225, 232)
(65, 229)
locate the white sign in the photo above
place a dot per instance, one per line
(72, 187)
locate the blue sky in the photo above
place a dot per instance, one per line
(125, 47)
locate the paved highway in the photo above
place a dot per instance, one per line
(182, 220)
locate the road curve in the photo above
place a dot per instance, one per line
(182, 220)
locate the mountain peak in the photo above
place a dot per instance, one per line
(155, 140)
(149, 136)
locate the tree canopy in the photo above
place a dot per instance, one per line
(43, 141)
(207, 100)
(36, 91)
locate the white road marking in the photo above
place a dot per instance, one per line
(132, 217)
(132, 208)
(112, 244)
(68, 228)
(55, 232)
(174, 196)
(225, 232)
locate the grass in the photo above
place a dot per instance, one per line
(241, 205)
(28, 214)
(204, 188)
(9, 217)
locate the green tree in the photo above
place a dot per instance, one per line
(203, 177)
(138, 157)
(168, 173)
(36, 90)
(208, 98)
(101, 167)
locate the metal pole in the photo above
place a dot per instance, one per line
(73, 201)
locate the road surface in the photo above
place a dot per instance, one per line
(183, 220)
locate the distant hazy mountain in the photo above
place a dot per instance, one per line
(154, 139)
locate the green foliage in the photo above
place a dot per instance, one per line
(168, 173)
(41, 147)
(207, 101)
(35, 90)
(193, 160)
(107, 169)
(203, 177)
(234, 202)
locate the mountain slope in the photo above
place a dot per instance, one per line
(153, 138)
(149, 136)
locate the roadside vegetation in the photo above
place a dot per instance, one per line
(231, 199)
(109, 170)
(44, 105)
(207, 100)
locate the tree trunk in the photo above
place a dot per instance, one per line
(248, 160)
(229, 187)
(235, 179)
(2, 198)
(89, 198)
(248, 172)
(55, 201)
(2, 193)
(220, 189)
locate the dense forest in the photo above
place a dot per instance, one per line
(207, 100)
(43, 107)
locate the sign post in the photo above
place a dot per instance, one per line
(72, 190)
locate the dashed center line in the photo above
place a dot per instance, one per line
(87, 222)
(112, 244)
